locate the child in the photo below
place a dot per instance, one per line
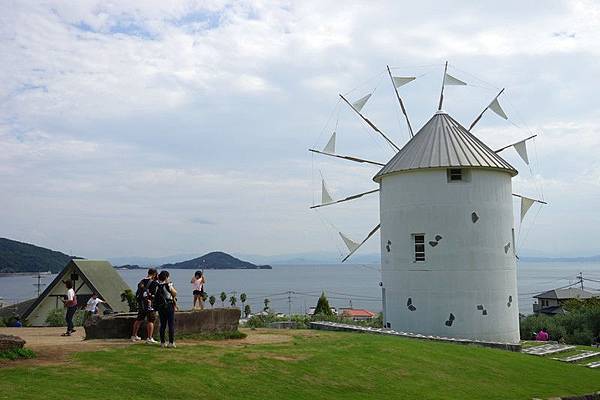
(92, 306)
(198, 281)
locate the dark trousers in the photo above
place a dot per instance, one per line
(167, 318)
(69, 317)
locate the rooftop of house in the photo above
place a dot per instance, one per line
(356, 312)
(565, 294)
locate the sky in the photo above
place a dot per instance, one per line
(156, 128)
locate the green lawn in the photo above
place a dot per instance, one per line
(327, 365)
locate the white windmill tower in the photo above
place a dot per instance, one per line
(448, 259)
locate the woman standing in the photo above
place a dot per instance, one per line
(198, 281)
(164, 302)
(71, 304)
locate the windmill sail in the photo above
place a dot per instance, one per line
(330, 146)
(450, 80)
(402, 80)
(495, 107)
(350, 244)
(325, 196)
(521, 148)
(353, 246)
(360, 103)
(526, 204)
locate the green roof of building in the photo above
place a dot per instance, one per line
(100, 276)
(105, 280)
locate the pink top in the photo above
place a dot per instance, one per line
(542, 336)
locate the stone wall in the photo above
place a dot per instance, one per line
(10, 342)
(119, 326)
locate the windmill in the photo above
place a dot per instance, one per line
(448, 257)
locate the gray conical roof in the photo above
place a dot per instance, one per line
(444, 143)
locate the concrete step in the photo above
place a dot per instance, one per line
(595, 364)
(580, 356)
(547, 349)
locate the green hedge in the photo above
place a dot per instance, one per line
(303, 321)
(578, 325)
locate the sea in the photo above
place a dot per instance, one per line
(296, 288)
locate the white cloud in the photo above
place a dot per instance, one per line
(145, 119)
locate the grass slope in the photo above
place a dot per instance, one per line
(311, 366)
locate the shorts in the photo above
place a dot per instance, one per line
(197, 293)
(145, 314)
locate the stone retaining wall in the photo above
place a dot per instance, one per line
(119, 326)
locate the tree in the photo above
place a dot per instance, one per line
(223, 298)
(247, 310)
(322, 307)
(212, 300)
(129, 297)
(266, 309)
(243, 299)
(232, 300)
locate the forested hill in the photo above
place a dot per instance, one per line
(24, 257)
(215, 260)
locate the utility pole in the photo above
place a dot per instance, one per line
(289, 305)
(39, 283)
(580, 276)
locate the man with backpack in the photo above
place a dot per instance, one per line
(165, 303)
(144, 297)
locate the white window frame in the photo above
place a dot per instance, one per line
(465, 175)
(419, 256)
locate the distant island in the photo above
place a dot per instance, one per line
(215, 260)
(24, 257)
(19, 257)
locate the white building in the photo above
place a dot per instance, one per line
(447, 237)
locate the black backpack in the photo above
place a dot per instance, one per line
(163, 295)
(142, 290)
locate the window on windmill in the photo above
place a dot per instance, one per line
(455, 174)
(419, 241)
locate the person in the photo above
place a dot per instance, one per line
(91, 307)
(146, 312)
(165, 302)
(542, 336)
(596, 341)
(70, 303)
(198, 281)
(18, 323)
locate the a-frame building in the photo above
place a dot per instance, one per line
(88, 276)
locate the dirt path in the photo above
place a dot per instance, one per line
(51, 348)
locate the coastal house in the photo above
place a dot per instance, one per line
(552, 301)
(88, 276)
(311, 310)
(357, 314)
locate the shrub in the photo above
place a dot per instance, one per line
(57, 318)
(578, 325)
(129, 297)
(15, 354)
